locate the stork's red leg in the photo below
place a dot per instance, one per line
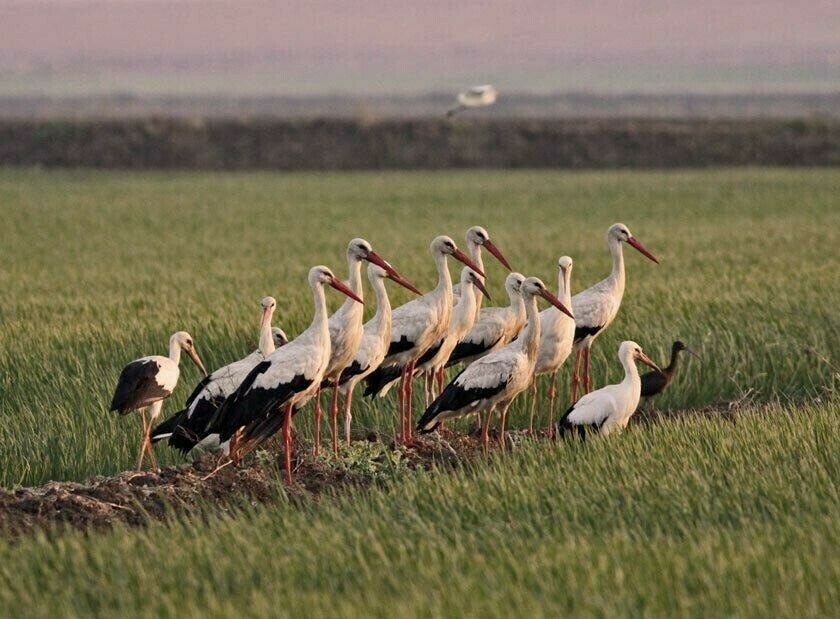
(440, 377)
(485, 430)
(317, 447)
(402, 407)
(408, 404)
(287, 443)
(533, 405)
(586, 379)
(144, 430)
(348, 413)
(334, 419)
(552, 394)
(576, 375)
(502, 420)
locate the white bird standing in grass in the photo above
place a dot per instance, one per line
(477, 237)
(346, 331)
(609, 409)
(595, 308)
(146, 382)
(289, 377)
(187, 428)
(374, 345)
(495, 380)
(477, 96)
(415, 327)
(557, 334)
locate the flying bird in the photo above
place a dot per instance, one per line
(146, 382)
(595, 308)
(493, 381)
(477, 96)
(609, 409)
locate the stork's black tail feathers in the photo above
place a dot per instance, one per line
(165, 429)
(380, 378)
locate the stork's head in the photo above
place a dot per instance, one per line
(322, 276)
(564, 264)
(445, 246)
(479, 236)
(185, 342)
(268, 305)
(534, 287)
(513, 283)
(471, 278)
(360, 249)
(621, 233)
(279, 336)
(630, 350)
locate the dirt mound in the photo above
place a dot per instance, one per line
(135, 499)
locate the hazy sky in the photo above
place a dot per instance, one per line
(426, 36)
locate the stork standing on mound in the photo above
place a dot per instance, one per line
(477, 237)
(346, 331)
(495, 380)
(416, 326)
(609, 409)
(595, 308)
(147, 382)
(289, 377)
(374, 345)
(557, 334)
(186, 428)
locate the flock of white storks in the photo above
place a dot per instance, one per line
(502, 350)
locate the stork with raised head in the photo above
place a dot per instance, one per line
(417, 325)
(557, 334)
(609, 409)
(346, 330)
(495, 327)
(477, 237)
(146, 382)
(290, 376)
(474, 97)
(495, 380)
(431, 364)
(655, 382)
(374, 345)
(186, 428)
(595, 308)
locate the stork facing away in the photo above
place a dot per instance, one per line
(495, 327)
(477, 237)
(495, 380)
(289, 377)
(655, 382)
(609, 409)
(146, 382)
(557, 334)
(476, 96)
(374, 345)
(186, 428)
(346, 330)
(416, 326)
(595, 308)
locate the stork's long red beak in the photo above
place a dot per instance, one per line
(391, 271)
(634, 242)
(491, 247)
(342, 287)
(647, 361)
(465, 260)
(480, 285)
(557, 303)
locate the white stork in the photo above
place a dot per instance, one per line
(477, 237)
(346, 330)
(431, 364)
(147, 382)
(186, 428)
(495, 380)
(374, 345)
(476, 96)
(609, 409)
(495, 327)
(416, 326)
(290, 376)
(595, 308)
(557, 334)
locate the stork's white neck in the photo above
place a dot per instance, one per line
(175, 350)
(564, 287)
(517, 304)
(266, 338)
(464, 313)
(476, 255)
(354, 281)
(382, 317)
(531, 335)
(617, 274)
(320, 326)
(631, 372)
(444, 286)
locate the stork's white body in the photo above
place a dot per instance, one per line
(461, 321)
(345, 325)
(596, 307)
(557, 331)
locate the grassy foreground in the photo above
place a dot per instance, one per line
(695, 517)
(99, 268)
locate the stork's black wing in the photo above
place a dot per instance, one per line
(582, 332)
(380, 378)
(198, 389)
(455, 397)
(466, 349)
(354, 369)
(137, 386)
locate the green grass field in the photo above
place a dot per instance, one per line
(692, 515)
